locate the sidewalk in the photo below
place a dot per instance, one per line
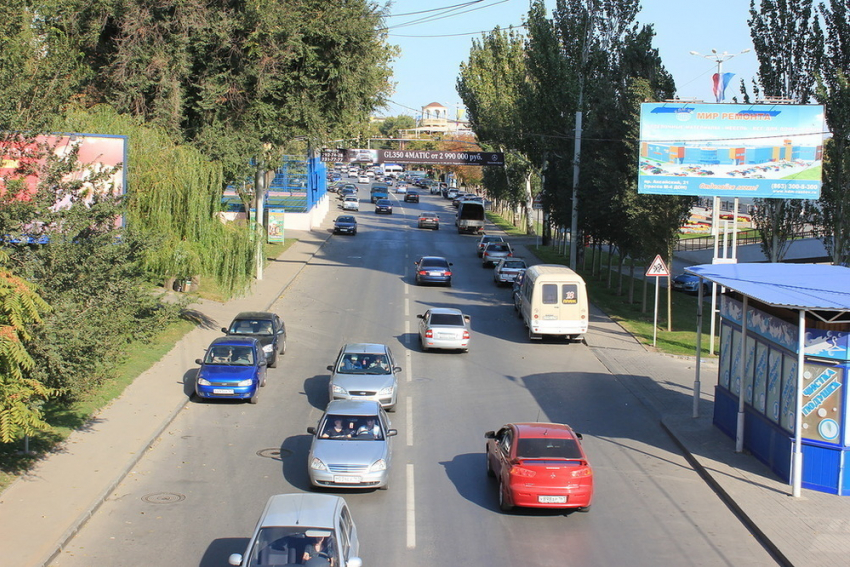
(45, 508)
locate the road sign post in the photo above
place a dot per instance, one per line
(656, 269)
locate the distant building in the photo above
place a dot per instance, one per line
(435, 120)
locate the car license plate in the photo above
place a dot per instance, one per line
(434, 274)
(552, 499)
(445, 335)
(222, 391)
(347, 479)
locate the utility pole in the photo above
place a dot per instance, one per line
(259, 227)
(719, 58)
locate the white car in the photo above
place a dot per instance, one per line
(444, 328)
(507, 270)
(365, 371)
(303, 529)
(362, 179)
(351, 203)
(401, 188)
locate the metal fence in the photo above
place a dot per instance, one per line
(744, 237)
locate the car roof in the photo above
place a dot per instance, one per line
(364, 348)
(231, 340)
(301, 509)
(254, 315)
(432, 258)
(538, 430)
(446, 311)
(353, 407)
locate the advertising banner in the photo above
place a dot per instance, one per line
(731, 150)
(413, 156)
(275, 223)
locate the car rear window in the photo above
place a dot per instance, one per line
(513, 264)
(548, 449)
(432, 263)
(497, 247)
(449, 319)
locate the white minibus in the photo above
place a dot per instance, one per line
(553, 301)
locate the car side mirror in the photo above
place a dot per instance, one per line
(467, 318)
(420, 316)
(262, 361)
(224, 330)
(330, 367)
(490, 435)
(396, 368)
(311, 430)
(354, 562)
(198, 361)
(579, 436)
(391, 432)
(451, 264)
(235, 559)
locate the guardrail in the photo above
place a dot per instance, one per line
(744, 237)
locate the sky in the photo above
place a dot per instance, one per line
(435, 42)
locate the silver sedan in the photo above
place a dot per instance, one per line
(444, 328)
(352, 446)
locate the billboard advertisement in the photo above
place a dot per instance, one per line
(432, 157)
(731, 150)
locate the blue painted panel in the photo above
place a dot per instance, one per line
(725, 411)
(821, 467)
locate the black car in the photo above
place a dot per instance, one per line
(433, 269)
(384, 206)
(267, 328)
(411, 197)
(345, 224)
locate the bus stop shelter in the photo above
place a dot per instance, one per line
(784, 365)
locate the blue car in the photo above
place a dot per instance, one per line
(234, 367)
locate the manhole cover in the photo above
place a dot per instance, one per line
(274, 453)
(164, 498)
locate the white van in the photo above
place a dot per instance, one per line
(553, 301)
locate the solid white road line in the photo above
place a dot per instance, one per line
(411, 510)
(407, 334)
(407, 308)
(408, 409)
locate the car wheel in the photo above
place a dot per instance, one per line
(437, 227)
(283, 347)
(583, 509)
(272, 364)
(255, 398)
(354, 233)
(504, 505)
(424, 346)
(385, 486)
(490, 472)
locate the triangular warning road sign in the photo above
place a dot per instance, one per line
(657, 268)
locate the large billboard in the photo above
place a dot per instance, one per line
(731, 150)
(432, 157)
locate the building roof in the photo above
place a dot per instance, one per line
(821, 289)
(434, 105)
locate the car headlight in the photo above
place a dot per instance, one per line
(317, 465)
(243, 383)
(386, 391)
(203, 381)
(379, 465)
(339, 390)
(268, 349)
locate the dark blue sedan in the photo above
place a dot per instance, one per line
(433, 269)
(234, 367)
(384, 206)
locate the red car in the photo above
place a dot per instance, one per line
(539, 465)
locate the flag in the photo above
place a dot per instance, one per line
(720, 83)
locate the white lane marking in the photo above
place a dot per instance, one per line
(411, 510)
(407, 308)
(408, 408)
(407, 331)
(408, 360)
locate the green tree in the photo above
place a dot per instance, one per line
(21, 395)
(789, 45)
(833, 91)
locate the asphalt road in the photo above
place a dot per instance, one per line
(196, 495)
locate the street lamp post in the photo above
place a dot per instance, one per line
(719, 58)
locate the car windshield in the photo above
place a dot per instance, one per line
(352, 427)
(251, 327)
(364, 364)
(447, 319)
(432, 263)
(345, 219)
(230, 355)
(548, 448)
(288, 546)
(514, 264)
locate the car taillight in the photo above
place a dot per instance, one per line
(466, 334)
(582, 471)
(423, 272)
(510, 253)
(448, 273)
(523, 472)
(429, 334)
